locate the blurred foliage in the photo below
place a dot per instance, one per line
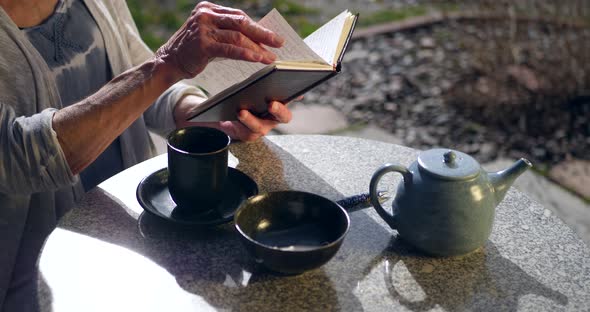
(157, 20)
(392, 15)
(291, 8)
(156, 23)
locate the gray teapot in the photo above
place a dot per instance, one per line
(446, 203)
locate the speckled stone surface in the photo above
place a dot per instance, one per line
(108, 256)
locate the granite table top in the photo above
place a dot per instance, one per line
(107, 255)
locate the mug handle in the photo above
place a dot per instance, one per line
(407, 177)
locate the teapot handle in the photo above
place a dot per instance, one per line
(407, 176)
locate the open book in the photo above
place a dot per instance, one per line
(301, 65)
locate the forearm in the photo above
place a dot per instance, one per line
(85, 129)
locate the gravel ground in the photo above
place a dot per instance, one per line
(413, 83)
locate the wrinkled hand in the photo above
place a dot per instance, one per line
(216, 31)
(247, 128)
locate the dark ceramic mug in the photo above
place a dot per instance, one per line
(197, 167)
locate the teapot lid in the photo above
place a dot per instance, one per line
(448, 164)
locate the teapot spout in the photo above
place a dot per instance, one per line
(502, 180)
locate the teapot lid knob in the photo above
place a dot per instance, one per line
(450, 158)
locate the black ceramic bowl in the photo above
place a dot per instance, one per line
(290, 231)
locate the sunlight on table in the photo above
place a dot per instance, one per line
(84, 272)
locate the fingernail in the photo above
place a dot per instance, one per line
(272, 57)
(278, 40)
(242, 115)
(274, 107)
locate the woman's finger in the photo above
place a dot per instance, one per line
(248, 27)
(243, 133)
(227, 10)
(238, 39)
(280, 112)
(234, 52)
(255, 124)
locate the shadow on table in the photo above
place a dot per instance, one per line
(33, 295)
(481, 280)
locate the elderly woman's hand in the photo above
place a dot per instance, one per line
(215, 31)
(247, 128)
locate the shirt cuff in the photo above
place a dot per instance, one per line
(163, 117)
(39, 164)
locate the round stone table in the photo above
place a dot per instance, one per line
(107, 255)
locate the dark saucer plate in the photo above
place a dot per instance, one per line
(153, 195)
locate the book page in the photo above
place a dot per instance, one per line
(324, 41)
(294, 48)
(223, 73)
